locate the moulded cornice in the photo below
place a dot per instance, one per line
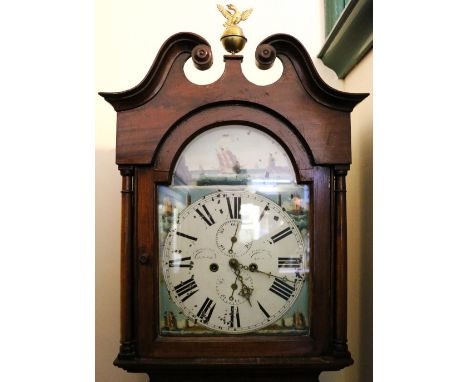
(317, 113)
(290, 47)
(175, 45)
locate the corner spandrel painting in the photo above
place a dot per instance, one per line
(231, 158)
(233, 155)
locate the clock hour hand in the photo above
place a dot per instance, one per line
(233, 287)
(245, 291)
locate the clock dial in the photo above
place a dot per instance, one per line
(234, 261)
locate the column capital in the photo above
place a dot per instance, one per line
(341, 169)
(126, 170)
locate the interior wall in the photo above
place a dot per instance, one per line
(359, 210)
(129, 35)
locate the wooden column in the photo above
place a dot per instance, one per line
(340, 346)
(127, 341)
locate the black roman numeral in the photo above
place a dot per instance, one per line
(234, 211)
(282, 289)
(263, 310)
(205, 312)
(208, 219)
(186, 236)
(186, 288)
(235, 319)
(281, 235)
(183, 262)
(289, 262)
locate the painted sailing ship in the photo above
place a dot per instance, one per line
(229, 171)
(170, 321)
(274, 171)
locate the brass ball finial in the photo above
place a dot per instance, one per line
(233, 38)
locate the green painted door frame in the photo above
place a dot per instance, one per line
(350, 37)
(333, 10)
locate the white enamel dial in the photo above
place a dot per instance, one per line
(234, 261)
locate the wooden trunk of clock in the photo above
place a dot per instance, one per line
(156, 121)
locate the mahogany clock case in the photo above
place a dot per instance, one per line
(155, 122)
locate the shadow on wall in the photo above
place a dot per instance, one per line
(107, 276)
(360, 255)
(366, 263)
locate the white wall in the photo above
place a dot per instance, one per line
(360, 212)
(129, 35)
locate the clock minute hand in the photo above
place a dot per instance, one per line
(254, 268)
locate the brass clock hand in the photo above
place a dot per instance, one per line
(233, 287)
(245, 291)
(254, 268)
(234, 239)
(269, 274)
(234, 264)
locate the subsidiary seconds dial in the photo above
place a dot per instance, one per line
(232, 240)
(234, 262)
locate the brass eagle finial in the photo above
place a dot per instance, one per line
(236, 16)
(233, 38)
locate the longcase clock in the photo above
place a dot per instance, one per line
(233, 244)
